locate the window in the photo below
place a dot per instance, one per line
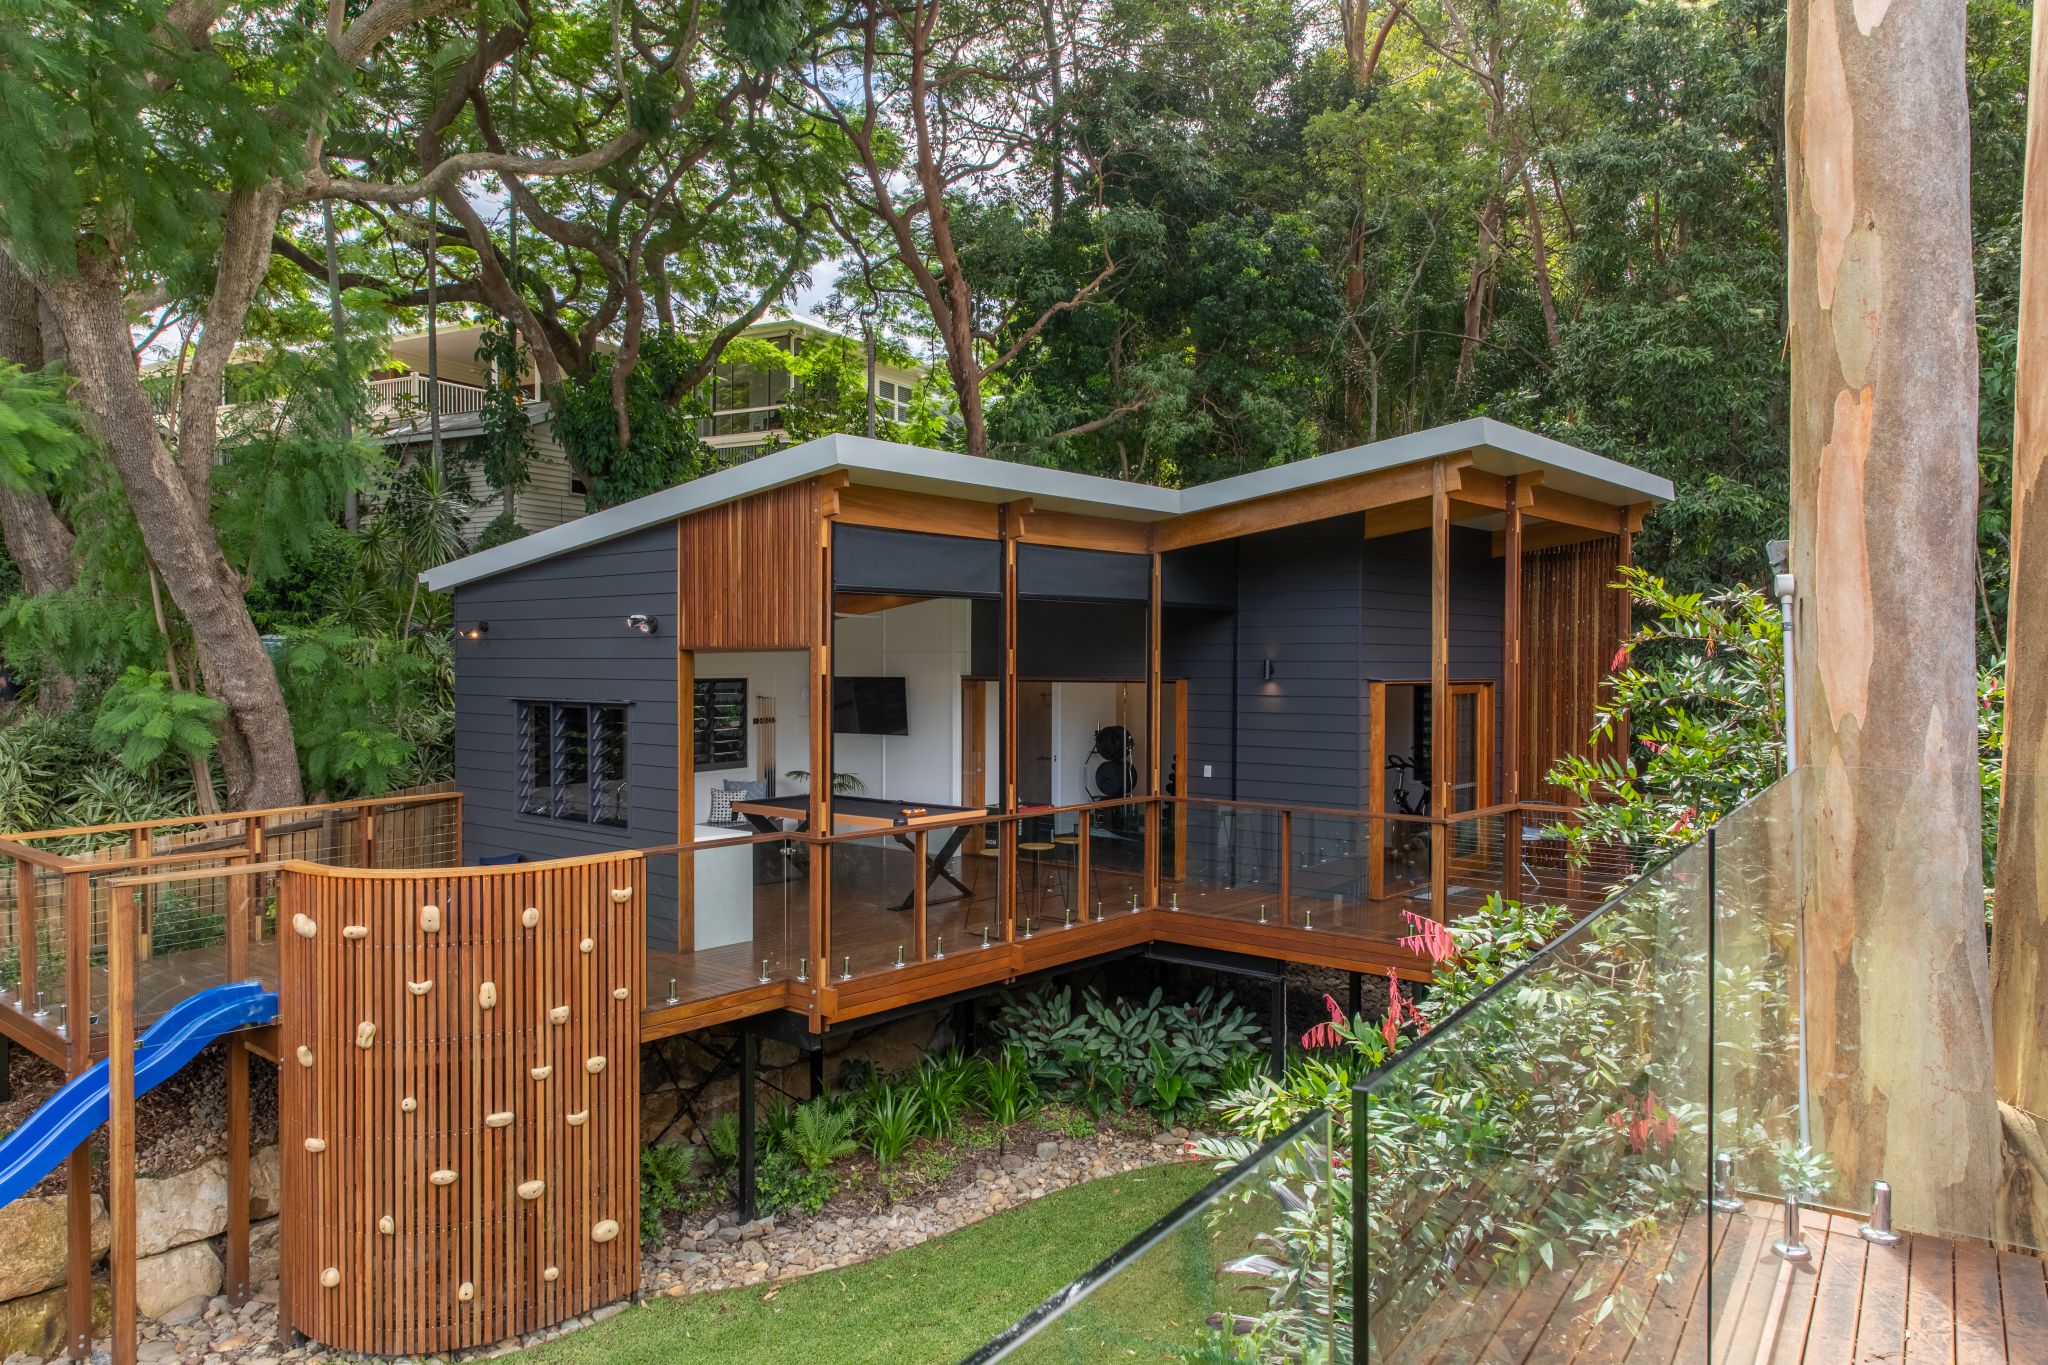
(721, 731)
(572, 762)
(892, 401)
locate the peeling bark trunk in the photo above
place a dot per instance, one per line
(1539, 261)
(2019, 922)
(1479, 289)
(178, 532)
(38, 541)
(1884, 477)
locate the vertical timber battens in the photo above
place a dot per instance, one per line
(1439, 685)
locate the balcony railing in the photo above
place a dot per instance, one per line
(415, 394)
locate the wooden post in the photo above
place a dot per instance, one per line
(686, 790)
(1439, 688)
(819, 901)
(1082, 874)
(1511, 688)
(27, 928)
(139, 848)
(1286, 867)
(78, 1171)
(369, 819)
(1012, 525)
(238, 1171)
(1154, 804)
(123, 1256)
(918, 847)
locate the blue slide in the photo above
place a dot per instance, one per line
(69, 1117)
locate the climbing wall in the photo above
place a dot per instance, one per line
(459, 1099)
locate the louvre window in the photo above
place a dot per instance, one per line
(572, 762)
(721, 731)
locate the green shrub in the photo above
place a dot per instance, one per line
(1004, 1085)
(820, 1134)
(891, 1122)
(1098, 1050)
(781, 1182)
(664, 1185)
(941, 1089)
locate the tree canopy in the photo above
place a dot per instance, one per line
(1156, 241)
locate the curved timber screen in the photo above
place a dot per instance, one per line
(459, 1099)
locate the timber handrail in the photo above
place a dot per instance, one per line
(222, 817)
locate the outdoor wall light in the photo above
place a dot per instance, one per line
(475, 632)
(642, 622)
(1269, 670)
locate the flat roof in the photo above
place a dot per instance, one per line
(1495, 446)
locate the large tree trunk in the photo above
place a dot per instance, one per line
(1884, 476)
(2019, 923)
(257, 749)
(37, 539)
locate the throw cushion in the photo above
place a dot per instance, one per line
(755, 790)
(721, 808)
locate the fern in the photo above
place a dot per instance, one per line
(820, 1134)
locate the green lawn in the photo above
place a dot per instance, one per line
(930, 1304)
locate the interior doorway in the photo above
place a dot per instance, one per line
(1401, 768)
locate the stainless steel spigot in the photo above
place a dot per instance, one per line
(1790, 1246)
(1879, 1228)
(1724, 1198)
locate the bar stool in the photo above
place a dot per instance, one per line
(1037, 848)
(1070, 857)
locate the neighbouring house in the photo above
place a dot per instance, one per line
(745, 405)
(1061, 713)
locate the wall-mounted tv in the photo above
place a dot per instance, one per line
(869, 706)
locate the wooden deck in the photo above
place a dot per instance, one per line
(1926, 1301)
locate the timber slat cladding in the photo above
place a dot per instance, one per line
(454, 1148)
(751, 574)
(1571, 628)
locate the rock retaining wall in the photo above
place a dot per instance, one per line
(181, 1222)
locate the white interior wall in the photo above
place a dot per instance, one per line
(785, 676)
(1079, 709)
(929, 645)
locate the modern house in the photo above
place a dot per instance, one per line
(1063, 714)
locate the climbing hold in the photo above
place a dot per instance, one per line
(387, 1225)
(594, 1065)
(467, 1292)
(487, 995)
(621, 993)
(559, 1015)
(316, 1145)
(408, 1104)
(430, 919)
(329, 1278)
(586, 945)
(501, 1119)
(551, 1274)
(419, 987)
(366, 1034)
(621, 894)
(579, 1118)
(605, 1231)
(442, 1177)
(355, 933)
(305, 1055)
(530, 916)
(303, 925)
(532, 1189)
(541, 1073)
